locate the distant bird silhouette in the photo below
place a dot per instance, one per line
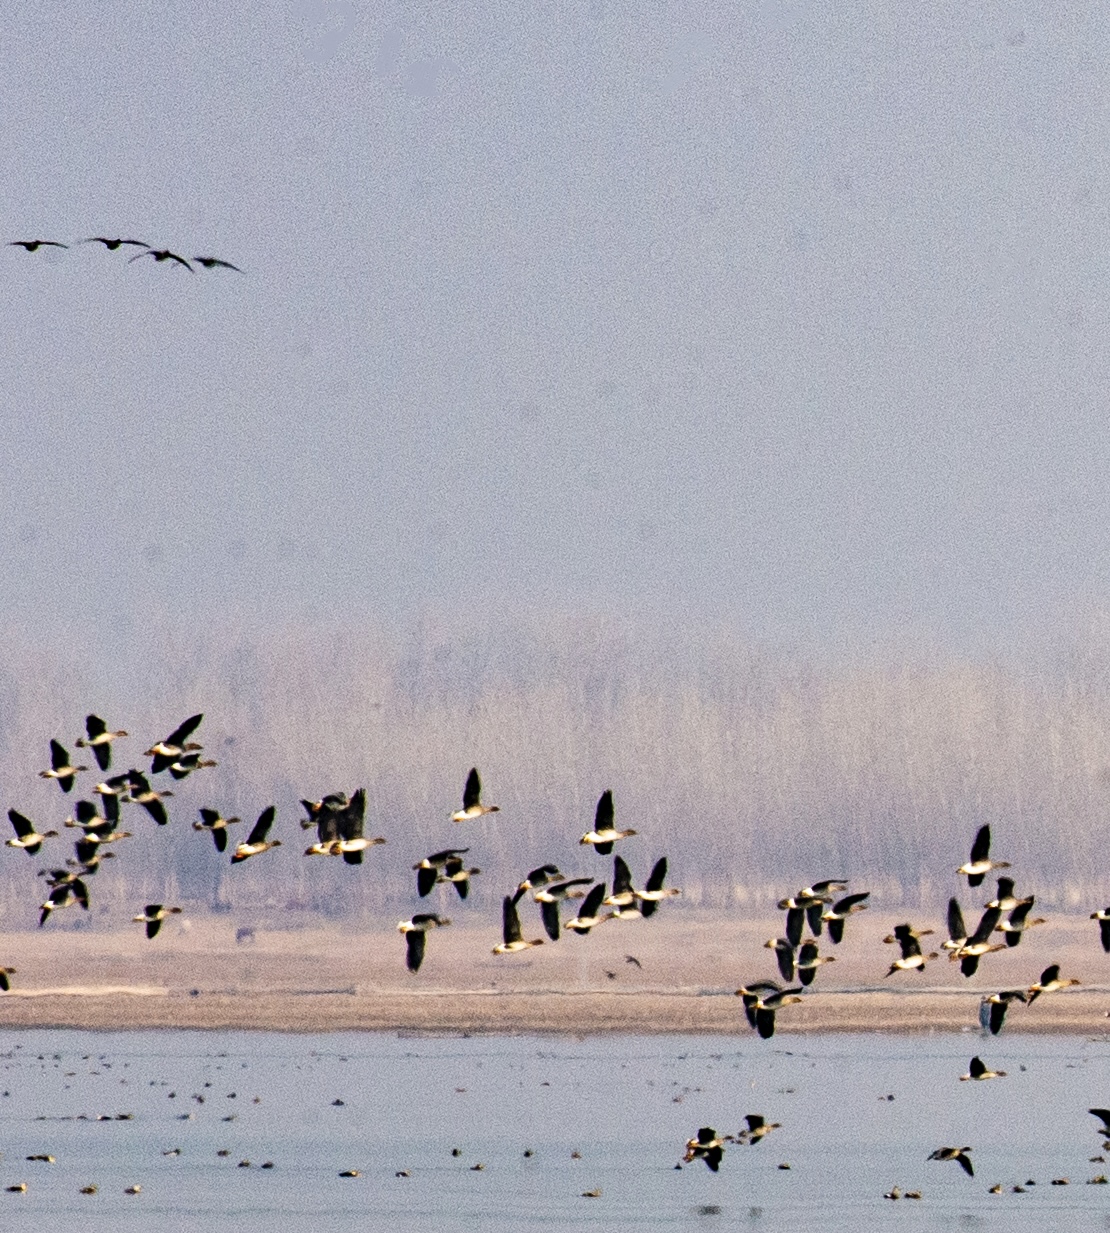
(215, 263)
(34, 245)
(162, 254)
(112, 245)
(958, 1154)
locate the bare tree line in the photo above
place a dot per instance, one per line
(752, 770)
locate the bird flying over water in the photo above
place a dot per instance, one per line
(416, 932)
(705, 1146)
(980, 864)
(958, 1154)
(512, 940)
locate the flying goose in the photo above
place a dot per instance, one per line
(957, 930)
(215, 263)
(34, 245)
(1018, 922)
(784, 955)
(549, 897)
(456, 873)
(809, 961)
(162, 254)
(256, 842)
(512, 940)
(978, 1071)
(979, 944)
(1049, 982)
(164, 753)
(26, 837)
(604, 834)
(911, 959)
(958, 1154)
(186, 764)
(61, 768)
(534, 879)
(623, 892)
(6, 984)
(416, 931)
(1006, 900)
(427, 870)
(151, 800)
(980, 864)
(757, 1129)
(655, 892)
(152, 916)
(99, 740)
(65, 896)
(472, 800)
(992, 1009)
(588, 915)
(762, 1000)
(705, 1146)
(838, 913)
(1103, 918)
(212, 821)
(802, 909)
(1103, 1116)
(110, 244)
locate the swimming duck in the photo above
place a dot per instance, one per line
(549, 897)
(958, 1154)
(61, 769)
(166, 752)
(26, 837)
(978, 1070)
(604, 834)
(1049, 982)
(588, 915)
(472, 800)
(838, 913)
(99, 740)
(152, 916)
(427, 870)
(655, 892)
(256, 842)
(992, 1009)
(980, 864)
(416, 931)
(706, 1146)
(212, 821)
(512, 940)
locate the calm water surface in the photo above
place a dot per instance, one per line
(626, 1104)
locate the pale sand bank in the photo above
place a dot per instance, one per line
(332, 979)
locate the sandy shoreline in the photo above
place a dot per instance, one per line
(674, 976)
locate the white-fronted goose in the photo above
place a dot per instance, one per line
(61, 769)
(512, 940)
(472, 800)
(99, 740)
(604, 834)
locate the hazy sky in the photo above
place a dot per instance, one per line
(793, 314)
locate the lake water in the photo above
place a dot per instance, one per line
(626, 1104)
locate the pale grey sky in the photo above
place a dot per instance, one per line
(792, 314)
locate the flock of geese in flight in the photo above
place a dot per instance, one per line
(338, 821)
(114, 244)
